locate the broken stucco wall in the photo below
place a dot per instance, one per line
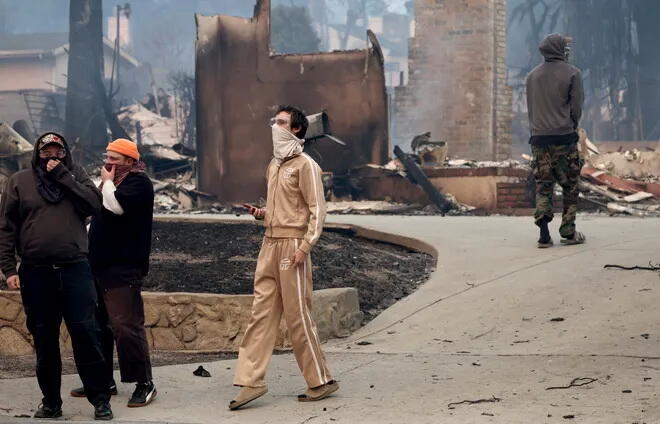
(239, 80)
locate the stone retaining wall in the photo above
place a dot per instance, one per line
(195, 322)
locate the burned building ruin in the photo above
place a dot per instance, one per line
(239, 81)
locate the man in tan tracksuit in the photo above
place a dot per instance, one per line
(294, 215)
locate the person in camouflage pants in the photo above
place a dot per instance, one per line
(560, 164)
(555, 97)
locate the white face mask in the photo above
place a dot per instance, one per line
(285, 144)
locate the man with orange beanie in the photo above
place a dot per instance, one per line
(119, 248)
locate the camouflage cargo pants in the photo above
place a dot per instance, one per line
(560, 164)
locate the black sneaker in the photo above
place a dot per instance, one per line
(143, 395)
(102, 411)
(48, 412)
(80, 391)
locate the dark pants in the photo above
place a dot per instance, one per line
(557, 164)
(121, 317)
(50, 293)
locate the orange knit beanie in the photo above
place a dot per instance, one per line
(125, 147)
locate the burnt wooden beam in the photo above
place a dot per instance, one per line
(417, 176)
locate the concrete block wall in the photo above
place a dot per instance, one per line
(457, 79)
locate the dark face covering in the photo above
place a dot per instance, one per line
(120, 168)
(49, 189)
(43, 162)
(122, 171)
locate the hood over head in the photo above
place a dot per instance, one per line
(553, 48)
(51, 138)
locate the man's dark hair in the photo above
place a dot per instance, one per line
(298, 119)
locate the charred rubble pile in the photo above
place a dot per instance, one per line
(170, 162)
(623, 181)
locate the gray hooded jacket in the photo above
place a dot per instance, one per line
(554, 91)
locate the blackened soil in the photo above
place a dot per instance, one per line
(221, 258)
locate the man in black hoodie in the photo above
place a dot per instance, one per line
(554, 102)
(42, 218)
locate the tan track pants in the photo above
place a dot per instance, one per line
(280, 287)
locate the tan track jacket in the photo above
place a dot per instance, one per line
(295, 206)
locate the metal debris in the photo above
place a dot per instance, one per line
(15, 153)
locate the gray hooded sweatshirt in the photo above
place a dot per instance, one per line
(554, 93)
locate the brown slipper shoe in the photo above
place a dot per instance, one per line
(247, 395)
(318, 393)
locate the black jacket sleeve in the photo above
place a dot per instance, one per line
(135, 195)
(86, 198)
(9, 227)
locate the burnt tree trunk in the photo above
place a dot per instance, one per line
(110, 116)
(85, 118)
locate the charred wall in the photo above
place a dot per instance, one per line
(239, 81)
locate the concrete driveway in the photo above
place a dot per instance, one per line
(499, 322)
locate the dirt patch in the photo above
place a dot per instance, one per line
(221, 258)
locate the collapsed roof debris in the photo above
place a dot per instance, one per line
(632, 164)
(158, 138)
(148, 127)
(619, 195)
(622, 182)
(15, 153)
(178, 194)
(463, 163)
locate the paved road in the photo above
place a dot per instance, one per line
(481, 328)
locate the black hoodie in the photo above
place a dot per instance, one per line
(43, 232)
(554, 92)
